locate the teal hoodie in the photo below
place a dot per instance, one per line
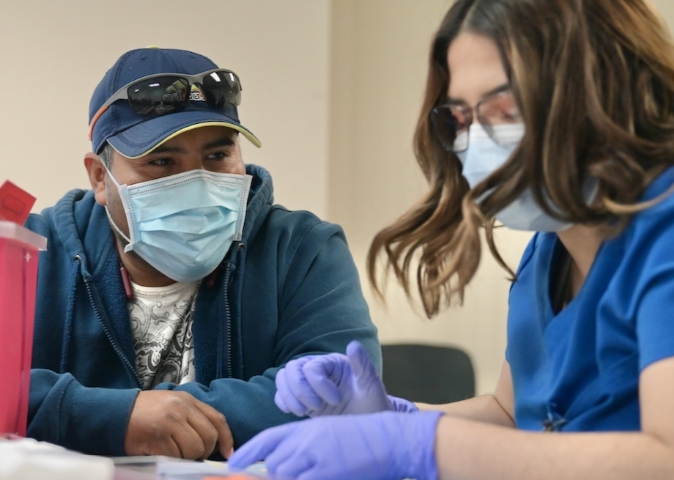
(289, 288)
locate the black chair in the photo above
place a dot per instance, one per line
(428, 373)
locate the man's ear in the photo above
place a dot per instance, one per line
(96, 172)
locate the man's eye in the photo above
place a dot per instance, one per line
(162, 162)
(218, 155)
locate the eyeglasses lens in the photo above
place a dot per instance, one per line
(159, 95)
(500, 116)
(463, 119)
(450, 125)
(222, 89)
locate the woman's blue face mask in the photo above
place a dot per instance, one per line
(484, 156)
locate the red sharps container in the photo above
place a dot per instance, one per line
(19, 253)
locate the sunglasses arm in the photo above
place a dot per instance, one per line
(100, 112)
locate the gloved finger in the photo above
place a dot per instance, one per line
(361, 364)
(288, 403)
(280, 403)
(260, 446)
(325, 373)
(287, 462)
(299, 387)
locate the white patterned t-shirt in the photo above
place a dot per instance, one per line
(161, 325)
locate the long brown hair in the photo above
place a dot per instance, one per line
(594, 80)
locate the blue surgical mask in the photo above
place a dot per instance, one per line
(184, 224)
(484, 156)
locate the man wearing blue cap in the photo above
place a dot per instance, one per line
(173, 291)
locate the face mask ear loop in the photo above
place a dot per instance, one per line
(112, 177)
(129, 245)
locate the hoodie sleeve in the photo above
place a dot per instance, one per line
(90, 420)
(322, 306)
(320, 310)
(64, 406)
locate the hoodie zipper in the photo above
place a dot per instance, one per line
(119, 353)
(239, 338)
(224, 344)
(228, 312)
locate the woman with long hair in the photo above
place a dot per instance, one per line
(554, 116)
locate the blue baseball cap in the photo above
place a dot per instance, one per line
(134, 135)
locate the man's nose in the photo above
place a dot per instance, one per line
(194, 162)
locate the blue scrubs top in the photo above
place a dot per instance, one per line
(578, 370)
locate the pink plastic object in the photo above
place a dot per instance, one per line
(15, 204)
(19, 252)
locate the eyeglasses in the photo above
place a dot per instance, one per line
(451, 121)
(164, 93)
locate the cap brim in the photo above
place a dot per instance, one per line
(141, 139)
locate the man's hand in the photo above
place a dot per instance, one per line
(178, 425)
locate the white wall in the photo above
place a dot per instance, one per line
(666, 9)
(54, 53)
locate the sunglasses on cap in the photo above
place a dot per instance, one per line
(164, 93)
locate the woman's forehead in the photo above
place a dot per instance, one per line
(475, 67)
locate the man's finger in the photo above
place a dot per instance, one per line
(188, 441)
(218, 420)
(206, 431)
(169, 447)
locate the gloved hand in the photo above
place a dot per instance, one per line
(379, 446)
(334, 384)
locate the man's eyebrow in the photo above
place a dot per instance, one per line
(225, 141)
(498, 89)
(220, 142)
(167, 149)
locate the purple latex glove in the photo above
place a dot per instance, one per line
(379, 446)
(334, 384)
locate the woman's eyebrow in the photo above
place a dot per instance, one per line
(498, 89)
(494, 90)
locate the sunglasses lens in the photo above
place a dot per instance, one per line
(222, 89)
(159, 95)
